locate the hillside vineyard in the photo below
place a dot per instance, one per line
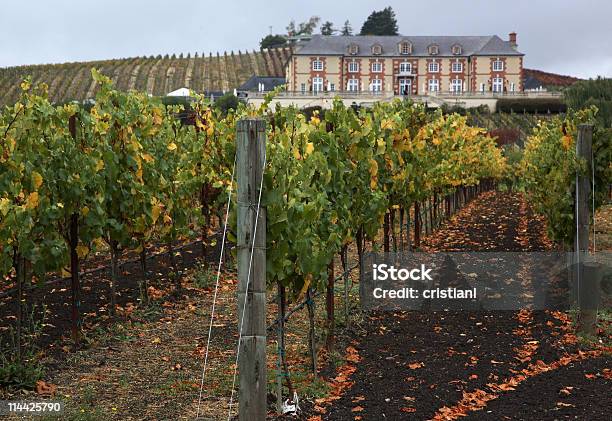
(153, 75)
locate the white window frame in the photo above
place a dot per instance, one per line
(376, 65)
(405, 82)
(433, 65)
(407, 65)
(353, 67)
(317, 84)
(376, 85)
(332, 87)
(352, 85)
(456, 86)
(405, 48)
(303, 86)
(456, 66)
(317, 65)
(498, 66)
(433, 83)
(497, 84)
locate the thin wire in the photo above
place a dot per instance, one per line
(246, 289)
(212, 314)
(593, 194)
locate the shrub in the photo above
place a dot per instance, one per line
(227, 102)
(531, 105)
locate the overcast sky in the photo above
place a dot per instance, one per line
(563, 36)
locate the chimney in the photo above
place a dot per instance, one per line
(512, 39)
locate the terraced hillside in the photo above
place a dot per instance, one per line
(155, 75)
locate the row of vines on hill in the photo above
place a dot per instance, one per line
(127, 170)
(155, 75)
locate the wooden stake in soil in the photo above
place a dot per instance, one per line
(250, 160)
(588, 274)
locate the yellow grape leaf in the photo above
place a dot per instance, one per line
(82, 251)
(309, 148)
(566, 141)
(386, 124)
(296, 154)
(32, 201)
(436, 141)
(172, 146)
(37, 179)
(148, 158)
(210, 130)
(157, 116)
(373, 167)
(99, 165)
(155, 212)
(304, 287)
(84, 210)
(4, 205)
(167, 219)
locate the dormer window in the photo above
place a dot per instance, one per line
(376, 49)
(457, 49)
(433, 49)
(405, 48)
(353, 49)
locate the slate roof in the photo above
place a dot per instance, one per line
(269, 83)
(471, 45)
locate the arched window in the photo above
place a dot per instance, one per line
(353, 49)
(457, 49)
(376, 49)
(433, 49)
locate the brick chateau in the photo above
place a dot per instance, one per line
(406, 65)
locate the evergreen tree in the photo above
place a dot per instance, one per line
(346, 29)
(380, 23)
(327, 28)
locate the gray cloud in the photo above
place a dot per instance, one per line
(564, 36)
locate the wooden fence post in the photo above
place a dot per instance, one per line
(587, 276)
(250, 157)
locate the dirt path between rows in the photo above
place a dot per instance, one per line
(503, 365)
